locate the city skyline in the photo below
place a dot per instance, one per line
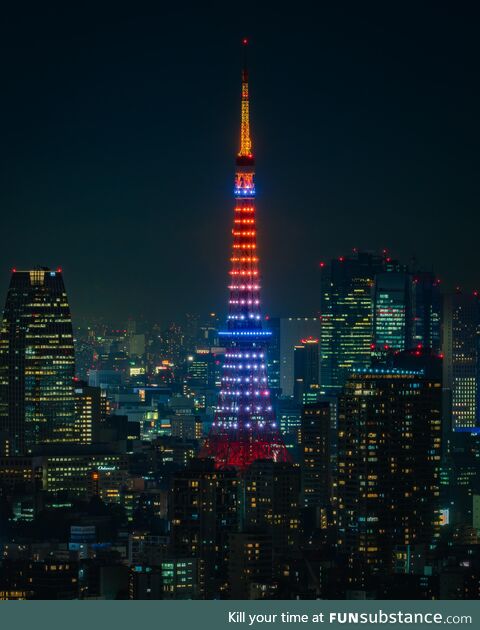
(378, 111)
(326, 449)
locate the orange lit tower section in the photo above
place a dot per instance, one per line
(244, 428)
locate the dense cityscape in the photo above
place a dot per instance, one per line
(332, 454)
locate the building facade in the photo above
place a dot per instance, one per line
(37, 363)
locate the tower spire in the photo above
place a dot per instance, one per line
(245, 140)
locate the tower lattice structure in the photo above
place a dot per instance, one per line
(244, 428)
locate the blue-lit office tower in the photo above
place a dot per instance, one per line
(347, 315)
(427, 311)
(461, 338)
(392, 312)
(37, 363)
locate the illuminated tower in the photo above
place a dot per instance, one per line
(244, 427)
(37, 363)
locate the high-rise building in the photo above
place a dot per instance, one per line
(461, 345)
(427, 311)
(272, 503)
(389, 439)
(306, 359)
(407, 309)
(392, 314)
(274, 356)
(88, 411)
(203, 513)
(244, 428)
(37, 363)
(316, 449)
(291, 331)
(288, 414)
(347, 315)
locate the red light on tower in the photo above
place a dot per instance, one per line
(245, 41)
(322, 265)
(59, 270)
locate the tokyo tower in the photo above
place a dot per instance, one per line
(244, 427)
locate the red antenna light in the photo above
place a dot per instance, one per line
(245, 41)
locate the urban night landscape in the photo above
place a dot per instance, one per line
(240, 336)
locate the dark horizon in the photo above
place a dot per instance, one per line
(119, 133)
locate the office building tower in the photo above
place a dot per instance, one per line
(244, 428)
(37, 363)
(389, 439)
(462, 359)
(292, 331)
(392, 314)
(306, 364)
(347, 315)
(427, 311)
(288, 414)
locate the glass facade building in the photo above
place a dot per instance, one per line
(347, 316)
(37, 363)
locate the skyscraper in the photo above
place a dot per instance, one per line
(461, 348)
(291, 331)
(244, 428)
(306, 368)
(388, 469)
(347, 315)
(37, 363)
(427, 310)
(392, 315)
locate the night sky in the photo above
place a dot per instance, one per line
(119, 128)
